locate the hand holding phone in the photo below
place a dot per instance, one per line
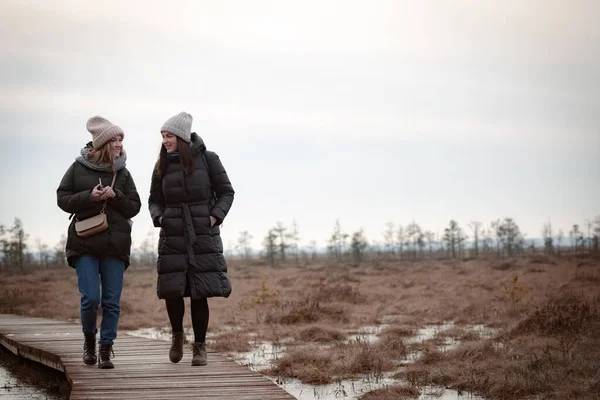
(96, 192)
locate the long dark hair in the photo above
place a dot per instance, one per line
(185, 157)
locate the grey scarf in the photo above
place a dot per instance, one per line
(119, 162)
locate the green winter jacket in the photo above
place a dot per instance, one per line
(73, 196)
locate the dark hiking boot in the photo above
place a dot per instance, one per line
(106, 353)
(176, 351)
(199, 352)
(89, 349)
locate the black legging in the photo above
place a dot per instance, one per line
(176, 309)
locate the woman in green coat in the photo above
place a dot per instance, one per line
(99, 182)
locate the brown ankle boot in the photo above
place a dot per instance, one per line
(106, 353)
(176, 351)
(89, 349)
(199, 351)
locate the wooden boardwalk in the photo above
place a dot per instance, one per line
(142, 366)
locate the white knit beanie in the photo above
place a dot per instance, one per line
(179, 125)
(102, 131)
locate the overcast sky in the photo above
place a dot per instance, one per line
(367, 111)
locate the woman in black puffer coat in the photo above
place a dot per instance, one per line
(190, 196)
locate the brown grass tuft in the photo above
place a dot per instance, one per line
(340, 361)
(319, 334)
(401, 331)
(305, 311)
(393, 346)
(309, 365)
(473, 352)
(504, 266)
(536, 270)
(14, 301)
(231, 342)
(566, 315)
(587, 276)
(392, 393)
(541, 259)
(431, 356)
(339, 293)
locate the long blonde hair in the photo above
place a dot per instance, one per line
(102, 156)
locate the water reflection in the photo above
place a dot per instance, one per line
(20, 379)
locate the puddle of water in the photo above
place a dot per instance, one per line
(260, 357)
(264, 353)
(366, 334)
(446, 394)
(484, 331)
(355, 388)
(429, 332)
(14, 384)
(152, 333)
(348, 389)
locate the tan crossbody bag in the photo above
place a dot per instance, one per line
(96, 224)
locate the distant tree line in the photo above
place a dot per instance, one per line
(18, 255)
(502, 237)
(281, 245)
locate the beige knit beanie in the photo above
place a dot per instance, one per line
(102, 131)
(179, 125)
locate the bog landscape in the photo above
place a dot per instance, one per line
(495, 318)
(471, 126)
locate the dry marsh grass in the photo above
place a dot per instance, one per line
(319, 334)
(392, 393)
(317, 365)
(553, 351)
(544, 310)
(399, 331)
(231, 341)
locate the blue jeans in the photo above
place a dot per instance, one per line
(90, 272)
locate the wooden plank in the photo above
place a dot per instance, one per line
(76, 377)
(35, 354)
(163, 369)
(142, 367)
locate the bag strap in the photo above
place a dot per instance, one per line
(114, 179)
(111, 186)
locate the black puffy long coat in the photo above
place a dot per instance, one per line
(73, 196)
(190, 251)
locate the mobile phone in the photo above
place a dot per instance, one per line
(100, 183)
